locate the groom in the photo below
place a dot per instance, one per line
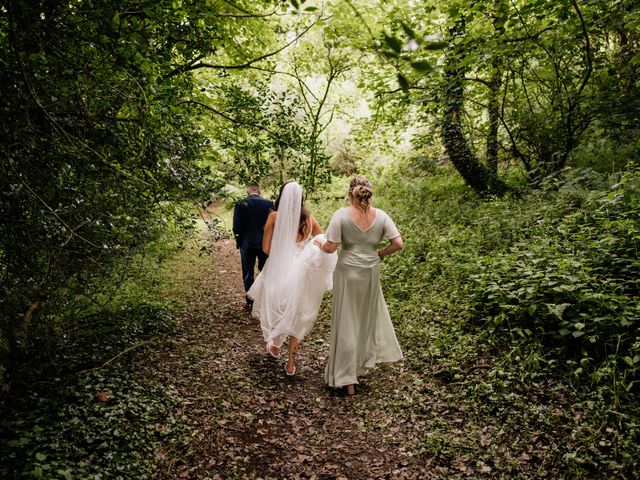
(249, 216)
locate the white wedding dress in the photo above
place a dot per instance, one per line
(288, 292)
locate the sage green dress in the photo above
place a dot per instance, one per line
(361, 331)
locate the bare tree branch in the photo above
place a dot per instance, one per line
(514, 148)
(237, 121)
(528, 36)
(195, 66)
(280, 72)
(248, 15)
(587, 44)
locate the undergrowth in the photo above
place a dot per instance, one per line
(528, 308)
(76, 404)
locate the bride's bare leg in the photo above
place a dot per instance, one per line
(293, 349)
(351, 389)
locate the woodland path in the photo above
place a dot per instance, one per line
(248, 419)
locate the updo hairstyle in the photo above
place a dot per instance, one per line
(360, 192)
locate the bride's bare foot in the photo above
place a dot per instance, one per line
(273, 350)
(290, 368)
(351, 389)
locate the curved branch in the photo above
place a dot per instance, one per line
(195, 66)
(236, 120)
(247, 14)
(529, 36)
(587, 44)
(225, 115)
(514, 148)
(280, 72)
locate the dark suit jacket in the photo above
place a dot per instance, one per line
(249, 216)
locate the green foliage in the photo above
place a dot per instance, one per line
(539, 292)
(114, 436)
(98, 149)
(266, 141)
(83, 407)
(527, 79)
(573, 283)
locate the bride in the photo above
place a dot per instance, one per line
(288, 292)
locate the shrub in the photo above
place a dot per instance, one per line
(572, 283)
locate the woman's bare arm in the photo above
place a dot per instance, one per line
(327, 246)
(316, 229)
(268, 232)
(395, 244)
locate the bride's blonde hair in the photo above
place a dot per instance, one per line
(360, 192)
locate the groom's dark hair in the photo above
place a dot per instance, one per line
(304, 213)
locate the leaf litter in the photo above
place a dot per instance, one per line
(244, 418)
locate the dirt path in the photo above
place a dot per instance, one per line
(246, 418)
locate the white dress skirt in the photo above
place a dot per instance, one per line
(289, 305)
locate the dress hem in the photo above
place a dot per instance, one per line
(360, 369)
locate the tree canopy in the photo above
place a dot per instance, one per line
(121, 118)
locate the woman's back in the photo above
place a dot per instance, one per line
(359, 245)
(352, 234)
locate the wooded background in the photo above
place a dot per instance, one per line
(501, 134)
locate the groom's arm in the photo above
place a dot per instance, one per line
(238, 223)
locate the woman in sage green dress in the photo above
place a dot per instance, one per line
(361, 333)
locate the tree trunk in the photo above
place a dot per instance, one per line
(477, 175)
(495, 84)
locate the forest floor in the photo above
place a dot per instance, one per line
(243, 417)
(197, 396)
(248, 419)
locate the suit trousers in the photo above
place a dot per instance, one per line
(248, 257)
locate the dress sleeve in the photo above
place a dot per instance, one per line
(390, 231)
(334, 230)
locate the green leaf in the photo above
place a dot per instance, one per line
(41, 457)
(390, 54)
(408, 30)
(404, 84)
(311, 9)
(422, 67)
(394, 43)
(557, 309)
(629, 361)
(436, 45)
(295, 4)
(577, 333)
(579, 326)
(18, 443)
(66, 474)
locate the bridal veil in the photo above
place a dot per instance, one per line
(288, 292)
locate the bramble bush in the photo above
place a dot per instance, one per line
(541, 291)
(573, 284)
